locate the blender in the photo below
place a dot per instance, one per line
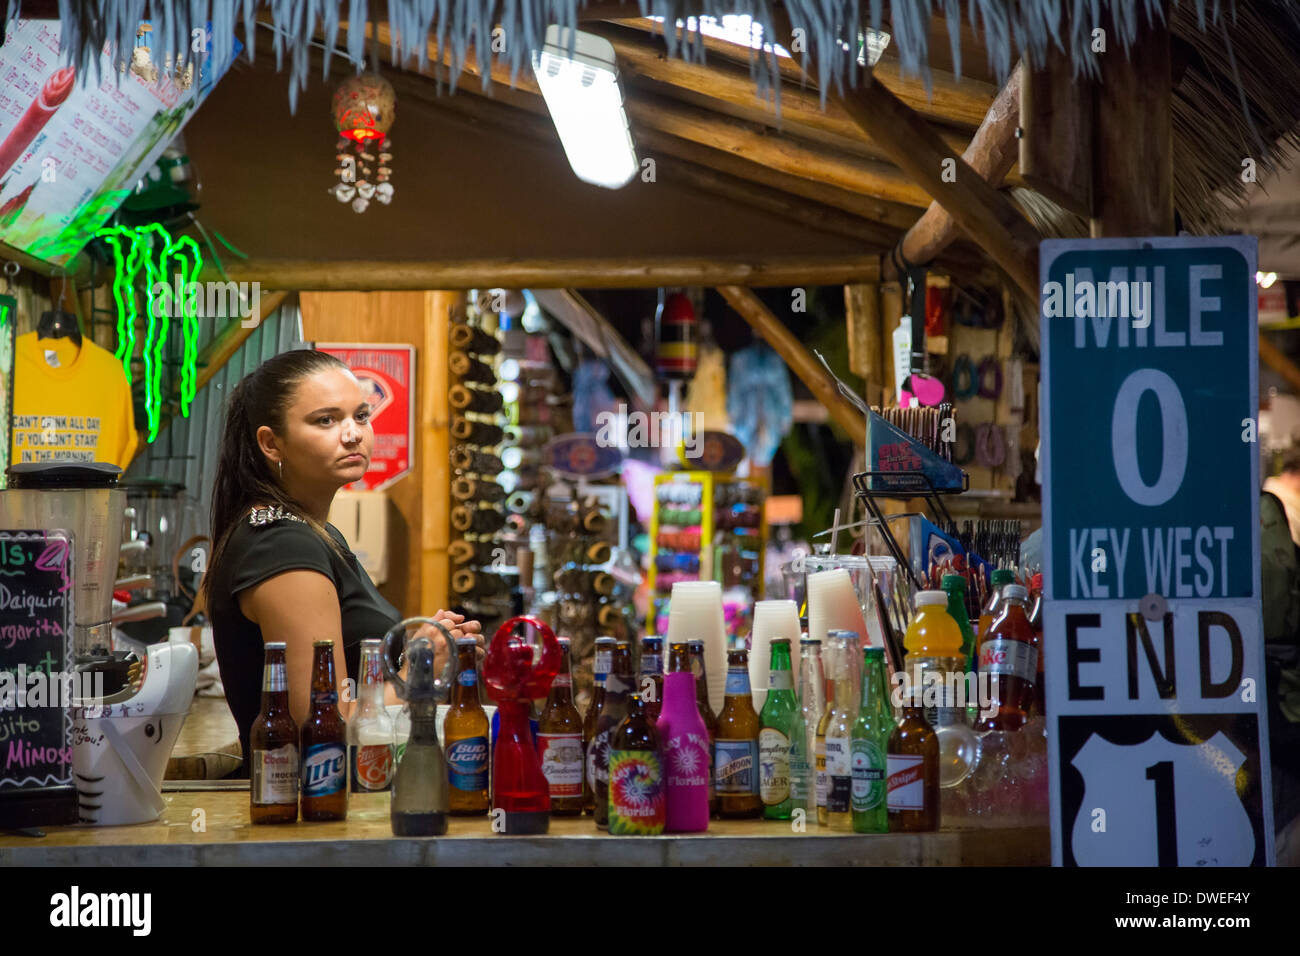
(122, 736)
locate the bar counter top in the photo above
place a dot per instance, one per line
(211, 828)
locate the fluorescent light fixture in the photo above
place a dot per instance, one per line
(1265, 279)
(743, 31)
(583, 95)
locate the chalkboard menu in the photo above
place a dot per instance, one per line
(36, 616)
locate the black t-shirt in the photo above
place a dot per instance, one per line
(260, 548)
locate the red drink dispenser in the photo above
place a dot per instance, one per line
(514, 680)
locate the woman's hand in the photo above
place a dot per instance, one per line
(459, 627)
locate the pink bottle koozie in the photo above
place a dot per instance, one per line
(684, 742)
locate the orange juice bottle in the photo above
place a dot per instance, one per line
(933, 632)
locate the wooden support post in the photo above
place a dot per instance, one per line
(435, 451)
(866, 344)
(804, 365)
(1133, 166)
(891, 312)
(1056, 135)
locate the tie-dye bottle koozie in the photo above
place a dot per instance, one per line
(636, 793)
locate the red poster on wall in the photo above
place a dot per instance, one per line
(387, 376)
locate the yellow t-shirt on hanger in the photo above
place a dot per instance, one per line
(71, 404)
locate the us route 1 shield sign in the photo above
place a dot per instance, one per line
(1157, 733)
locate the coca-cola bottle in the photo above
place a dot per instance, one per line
(1009, 663)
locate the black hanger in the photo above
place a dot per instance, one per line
(58, 324)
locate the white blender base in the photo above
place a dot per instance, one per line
(120, 745)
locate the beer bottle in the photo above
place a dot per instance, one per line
(912, 770)
(736, 747)
(812, 704)
(273, 741)
(324, 743)
(838, 735)
(636, 782)
(618, 685)
(465, 733)
(651, 683)
(870, 745)
(696, 649)
(819, 741)
(686, 748)
(559, 741)
(778, 720)
(370, 732)
(603, 660)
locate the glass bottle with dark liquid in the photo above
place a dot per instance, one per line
(420, 791)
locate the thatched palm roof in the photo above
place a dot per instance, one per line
(1237, 92)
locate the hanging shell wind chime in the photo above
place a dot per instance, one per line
(364, 109)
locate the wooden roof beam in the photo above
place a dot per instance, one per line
(959, 102)
(985, 214)
(584, 272)
(643, 61)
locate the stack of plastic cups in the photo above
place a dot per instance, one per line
(695, 614)
(772, 619)
(833, 605)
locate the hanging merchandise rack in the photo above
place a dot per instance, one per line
(905, 466)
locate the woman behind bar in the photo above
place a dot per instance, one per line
(297, 430)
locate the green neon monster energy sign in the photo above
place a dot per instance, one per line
(145, 260)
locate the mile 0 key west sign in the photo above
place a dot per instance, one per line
(1157, 734)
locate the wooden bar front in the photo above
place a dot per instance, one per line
(211, 828)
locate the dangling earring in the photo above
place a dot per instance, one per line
(282, 471)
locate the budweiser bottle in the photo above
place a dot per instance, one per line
(559, 741)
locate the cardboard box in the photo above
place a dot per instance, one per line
(362, 518)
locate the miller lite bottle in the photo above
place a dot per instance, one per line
(324, 743)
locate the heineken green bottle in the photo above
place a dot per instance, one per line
(869, 744)
(777, 733)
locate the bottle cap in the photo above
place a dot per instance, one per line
(871, 653)
(931, 597)
(275, 645)
(1003, 576)
(656, 643)
(781, 640)
(841, 635)
(604, 641)
(810, 641)
(954, 581)
(1016, 592)
(466, 641)
(560, 640)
